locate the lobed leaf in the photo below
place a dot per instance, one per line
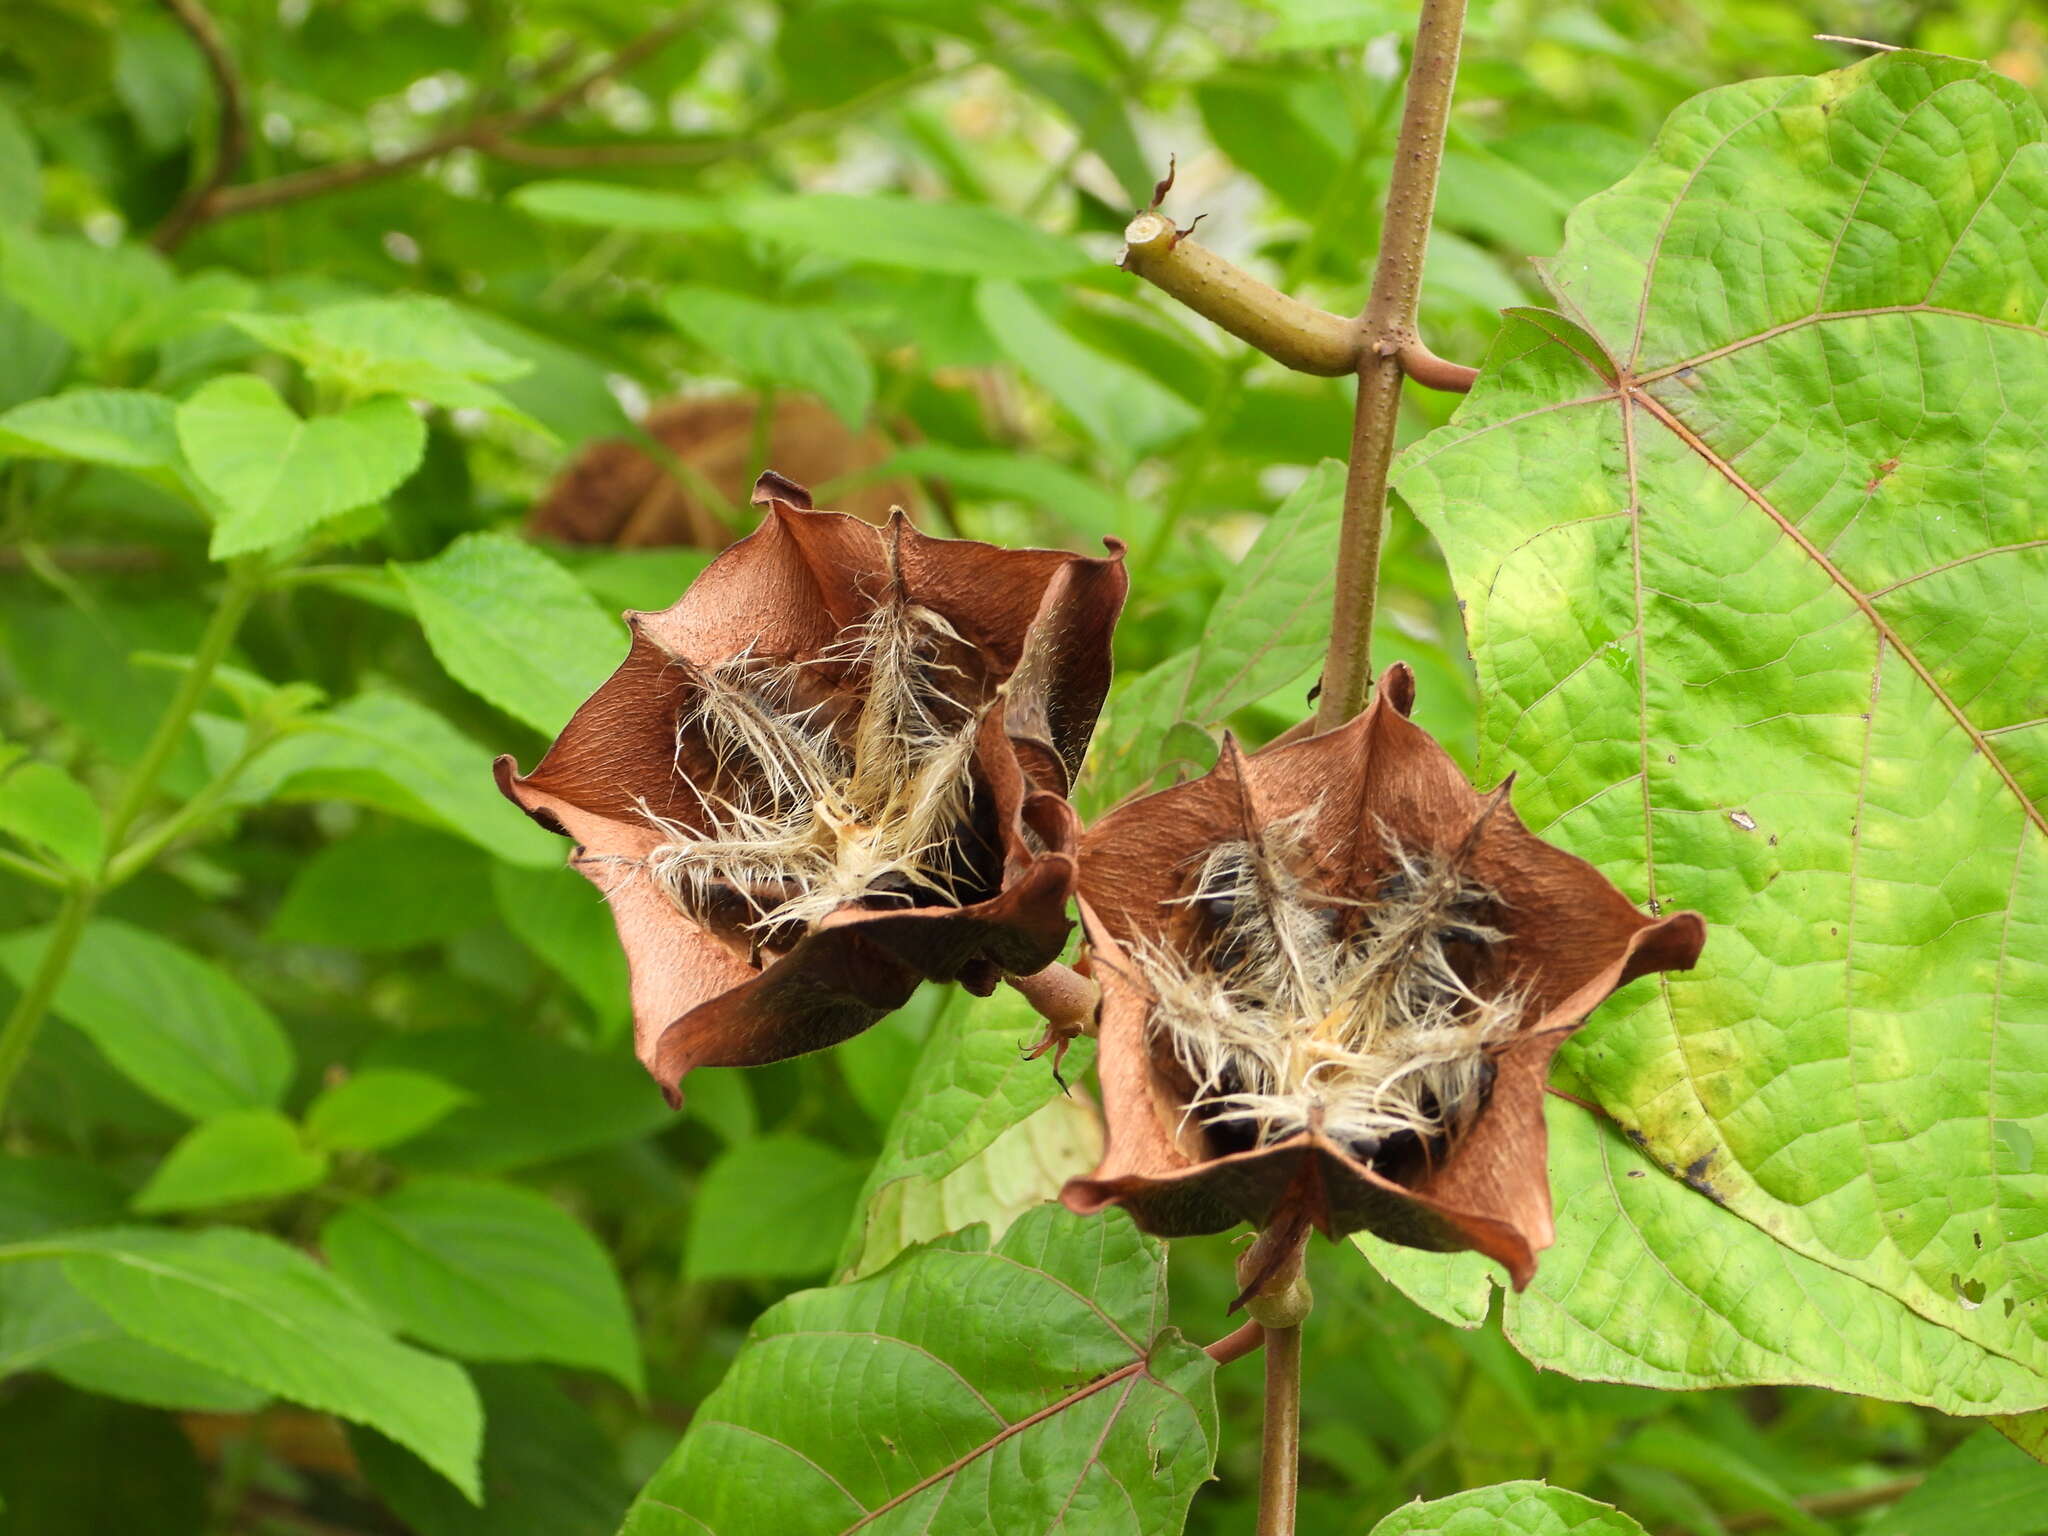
(1034, 1377)
(1750, 536)
(1653, 1284)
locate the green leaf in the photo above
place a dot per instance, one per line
(379, 1108)
(771, 1208)
(257, 1310)
(971, 1085)
(1098, 110)
(123, 428)
(1986, 1486)
(386, 750)
(1032, 1377)
(90, 294)
(280, 475)
(487, 1271)
(535, 1099)
(1075, 500)
(1746, 621)
(1268, 626)
(513, 627)
(1653, 1284)
(44, 806)
(563, 918)
(604, 205)
(413, 346)
(1022, 1168)
(243, 1154)
(769, 344)
(180, 1029)
(391, 889)
(46, 1324)
(549, 1468)
(961, 238)
(1122, 409)
(1524, 1509)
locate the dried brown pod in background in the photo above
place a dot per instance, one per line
(837, 766)
(616, 492)
(1334, 976)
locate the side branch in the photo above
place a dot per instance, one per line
(1305, 338)
(484, 133)
(232, 139)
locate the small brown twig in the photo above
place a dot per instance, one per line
(1841, 1501)
(232, 130)
(1389, 324)
(483, 133)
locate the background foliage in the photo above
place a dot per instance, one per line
(331, 996)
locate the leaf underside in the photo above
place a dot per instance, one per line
(1755, 566)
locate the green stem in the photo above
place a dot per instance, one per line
(31, 869)
(25, 1020)
(141, 853)
(243, 584)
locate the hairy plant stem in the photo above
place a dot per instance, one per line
(1272, 1269)
(1280, 1449)
(1389, 326)
(25, 1020)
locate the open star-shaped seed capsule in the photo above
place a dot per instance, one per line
(837, 766)
(1334, 976)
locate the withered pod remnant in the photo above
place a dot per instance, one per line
(1334, 976)
(837, 766)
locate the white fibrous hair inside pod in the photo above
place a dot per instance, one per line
(1293, 1009)
(805, 812)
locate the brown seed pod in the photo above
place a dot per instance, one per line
(837, 766)
(1333, 977)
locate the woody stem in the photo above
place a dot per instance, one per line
(1280, 1453)
(1280, 1303)
(1388, 330)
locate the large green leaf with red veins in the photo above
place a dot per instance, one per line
(1754, 543)
(1025, 1387)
